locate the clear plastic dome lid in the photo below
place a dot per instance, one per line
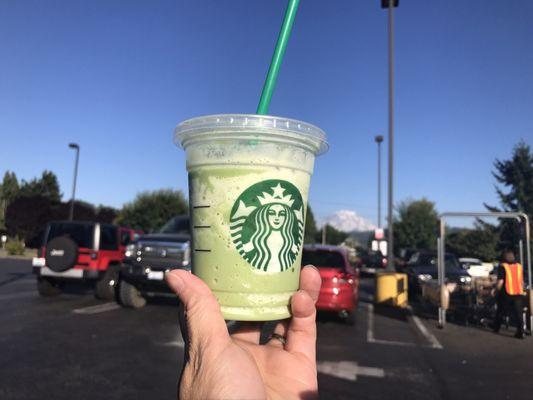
(250, 124)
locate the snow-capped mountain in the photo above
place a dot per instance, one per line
(348, 221)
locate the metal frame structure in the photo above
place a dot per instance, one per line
(520, 217)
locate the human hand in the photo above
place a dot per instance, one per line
(224, 366)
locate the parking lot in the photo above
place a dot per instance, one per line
(74, 346)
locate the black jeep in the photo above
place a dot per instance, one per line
(148, 259)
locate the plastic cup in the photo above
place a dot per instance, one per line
(248, 186)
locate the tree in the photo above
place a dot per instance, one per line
(150, 210)
(8, 191)
(83, 211)
(310, 226)
(27, 216)
(10, 187)
(515, 177)
(106, 214)
(46, 186)
(416, 226)
(480, 242)
(333, 235)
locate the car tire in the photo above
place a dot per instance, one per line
(130, 296)
(350, 319)
(47, 288)
(105, 286)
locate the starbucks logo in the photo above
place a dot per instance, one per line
(267, 225)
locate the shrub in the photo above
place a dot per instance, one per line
(15, 247)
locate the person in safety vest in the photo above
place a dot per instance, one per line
(509, 292)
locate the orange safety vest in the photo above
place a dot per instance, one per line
(514, 281)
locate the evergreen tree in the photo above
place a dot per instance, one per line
(46, 186)
(9, 189)
(515, 190)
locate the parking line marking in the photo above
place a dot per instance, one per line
(17, 295)
(370, 338)
(393, 343)
(99, 308)
(427, 334)
(370, 324)
(348, 370)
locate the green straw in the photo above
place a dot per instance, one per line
(279, 51)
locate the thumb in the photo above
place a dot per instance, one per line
(204, 319)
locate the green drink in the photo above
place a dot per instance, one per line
(248, 186)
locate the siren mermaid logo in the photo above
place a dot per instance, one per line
(267, 225)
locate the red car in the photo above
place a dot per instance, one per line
(339, 292)
(81, 251)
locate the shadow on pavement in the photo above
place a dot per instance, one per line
(398, 314)
(14, 276)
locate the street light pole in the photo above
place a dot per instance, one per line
(77, 148)
(379, 140)
(390, 4)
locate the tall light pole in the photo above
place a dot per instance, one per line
(77, 148)
(390, 4)
(379, 139)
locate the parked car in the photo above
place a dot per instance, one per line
(475, 267)
(146, 261)
(80, 251)
(422, 267)
(371, 262)
(339, 292)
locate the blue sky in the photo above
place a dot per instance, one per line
(117, 76)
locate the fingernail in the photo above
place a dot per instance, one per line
(175, 281)
(311, 266)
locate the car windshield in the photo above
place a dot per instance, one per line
(470, 261)
(176, 225)
(323, 259)
(428, 259)
(82, 234)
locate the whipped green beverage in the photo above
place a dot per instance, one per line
(248, 186)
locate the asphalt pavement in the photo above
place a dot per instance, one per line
(76, 347)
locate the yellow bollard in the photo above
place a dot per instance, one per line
(391, 289)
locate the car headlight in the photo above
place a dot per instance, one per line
(130, 250)
(424, 277)
(465, 279)
(186, 255)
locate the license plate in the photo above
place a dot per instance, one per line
(38, 262)
(156, 275)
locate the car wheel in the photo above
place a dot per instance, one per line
(129, 296)
(348, 317)
(105, 286)
(47, 288)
